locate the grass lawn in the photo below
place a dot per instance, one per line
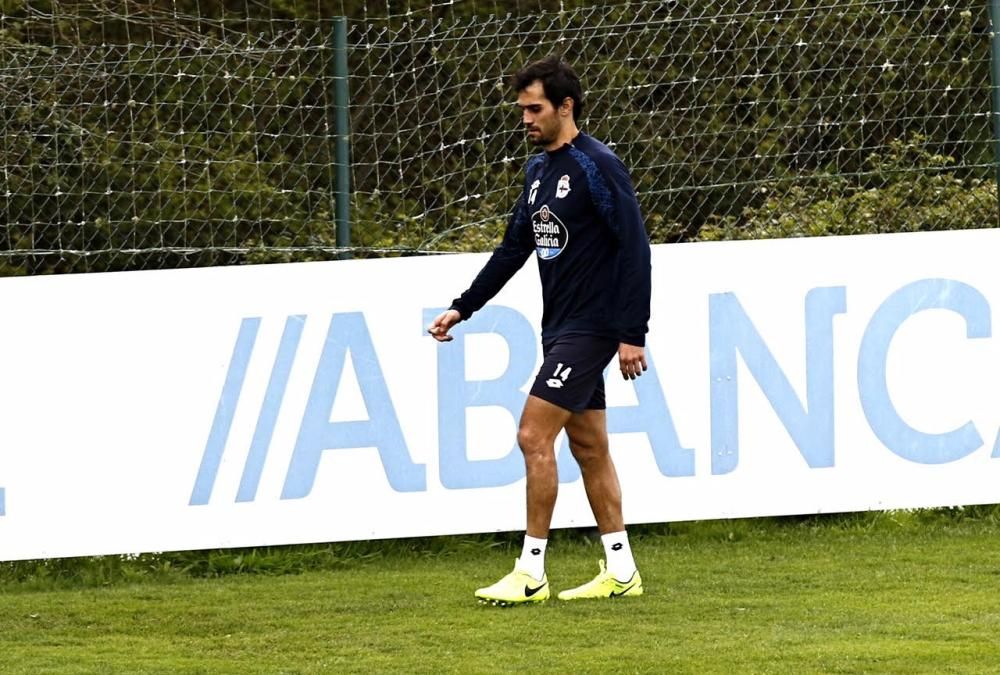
(843, 595)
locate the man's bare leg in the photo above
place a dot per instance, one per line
(588, 440)
(541, 422)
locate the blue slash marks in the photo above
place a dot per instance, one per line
(225, 411)
(3, 502)
(603, 198)
(534, 167)
(269, 410)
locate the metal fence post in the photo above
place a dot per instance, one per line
(342, 135)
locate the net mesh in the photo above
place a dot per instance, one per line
(154, 135)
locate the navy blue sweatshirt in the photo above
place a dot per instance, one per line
(579, 214)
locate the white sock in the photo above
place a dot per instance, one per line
(618, 553)
(532, 558)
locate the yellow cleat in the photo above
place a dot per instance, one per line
(605, 586)
(514, 589)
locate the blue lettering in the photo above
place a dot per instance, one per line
(889, 427)
(456, 394)
(224, 412)
(349, 332)
(270, 408)
(566, 465)
(731, 330)
(651, 416)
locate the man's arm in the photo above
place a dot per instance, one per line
(507, 259)
(633, 286)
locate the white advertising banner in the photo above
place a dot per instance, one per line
(279, 404)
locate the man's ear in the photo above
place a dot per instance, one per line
(567, 106)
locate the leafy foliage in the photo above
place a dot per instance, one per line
(911, 190)
(179, 133)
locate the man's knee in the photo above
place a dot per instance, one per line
(532, 441)
(540, 423)
(587, 453)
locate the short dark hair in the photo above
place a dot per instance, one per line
(558, 79)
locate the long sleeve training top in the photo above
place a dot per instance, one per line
(579, 214)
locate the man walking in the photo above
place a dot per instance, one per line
(578, 213)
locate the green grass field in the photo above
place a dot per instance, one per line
(912, 592)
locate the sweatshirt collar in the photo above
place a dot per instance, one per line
(566, 146)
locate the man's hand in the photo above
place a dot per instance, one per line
(442, 324)
(631, 360)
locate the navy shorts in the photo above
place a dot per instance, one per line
(572, 372)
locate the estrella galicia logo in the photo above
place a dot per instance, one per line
(551, 236)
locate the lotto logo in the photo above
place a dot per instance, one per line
(558, 378)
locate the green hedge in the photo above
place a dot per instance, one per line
(139, 142)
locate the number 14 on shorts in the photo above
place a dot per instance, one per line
(559, 377)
